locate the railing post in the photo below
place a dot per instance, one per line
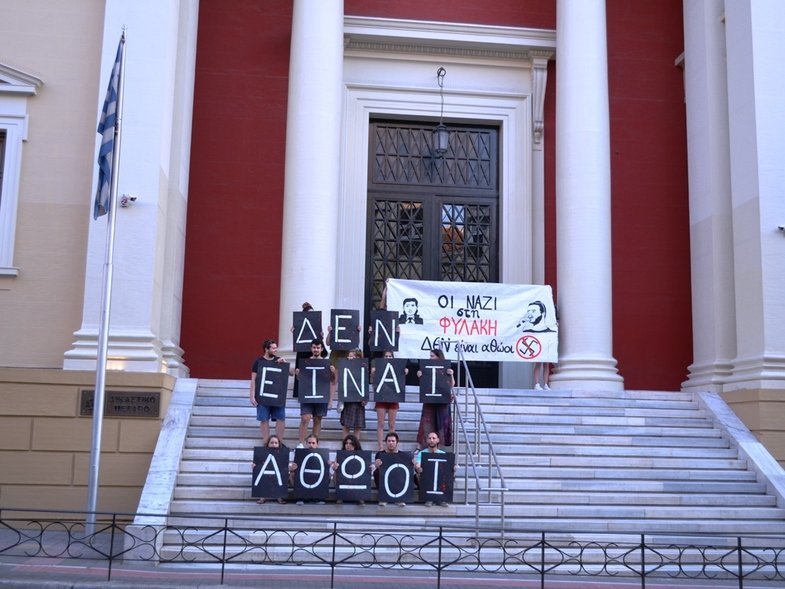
(332, 559)
(542, 560)
(439, 561)
(741, 564)
(643, 561)
(223, 549)
(111, 548)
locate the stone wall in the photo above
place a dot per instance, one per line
(45, 443)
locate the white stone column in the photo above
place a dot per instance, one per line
(150, 233)
(755, 40)
(583, 203)
(711, 249)
(313, 139)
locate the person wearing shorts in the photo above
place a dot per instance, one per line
(315, 411)
(265, 412)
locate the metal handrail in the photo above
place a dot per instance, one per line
(473, 453)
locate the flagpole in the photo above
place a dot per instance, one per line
(106, 301)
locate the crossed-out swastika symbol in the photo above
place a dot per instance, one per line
(528, 347)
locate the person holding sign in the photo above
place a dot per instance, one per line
(436, 417)
(271, 467)
(350, 456)
(265, 409)
(388, 408)
(390, 451)
(353, 412)
(420, 457)
(313, 410)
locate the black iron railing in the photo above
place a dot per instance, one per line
(242, 544)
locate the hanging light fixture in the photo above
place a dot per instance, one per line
(441, 135)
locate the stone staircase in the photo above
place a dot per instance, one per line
(575, 463)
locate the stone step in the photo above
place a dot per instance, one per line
(209, 493)
(532, 511)
(573, 461)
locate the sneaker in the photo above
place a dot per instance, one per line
(429, 504)
(537, 387)
(443, 504)
(382, 503)
(339, 501)
(300, 502)
(320, 503)
(400, 504)
(546, 387)
(361, 502)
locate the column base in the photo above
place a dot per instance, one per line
(767, 372)
(707, 377)
(131, 351)
(591, 374)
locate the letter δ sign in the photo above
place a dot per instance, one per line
(345, 333)
(353, 476)
(396, 476)
(437, 476)
(315, 376)
(384, 335)
(435, 383)
(272, 379)
(307, 327)
(312, 476)
(353, 385)
(389, 380)
(270, 472)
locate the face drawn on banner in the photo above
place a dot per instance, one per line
(314, 375)
(396, 476)
(389, 380)
(435, 383)
(345, 334)
(384, 334)
(353, 385)
(353, 476)
(312, 476)
(437, 476)
(488, 321)
(272, 380)
(307, 327)
(270, 472)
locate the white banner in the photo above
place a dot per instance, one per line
(497, 322)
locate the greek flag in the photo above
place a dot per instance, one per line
(108, 129)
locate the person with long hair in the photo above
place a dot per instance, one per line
(436, 417)
(350, 443)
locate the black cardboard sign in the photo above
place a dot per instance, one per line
(437, 476)
(270, 472)
(353, 384)
(435, 383)
(312, 475)
(307, 327)
(353, 475)
(396, 476)
(384, 334)
(389, 380)
(314, 376)
(272, 380)
(345, 333)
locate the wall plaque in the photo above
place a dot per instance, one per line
(123, 403)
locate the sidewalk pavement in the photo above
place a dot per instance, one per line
(44, 574)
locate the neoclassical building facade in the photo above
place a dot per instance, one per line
(629, 153)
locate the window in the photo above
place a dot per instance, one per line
(15, 88)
